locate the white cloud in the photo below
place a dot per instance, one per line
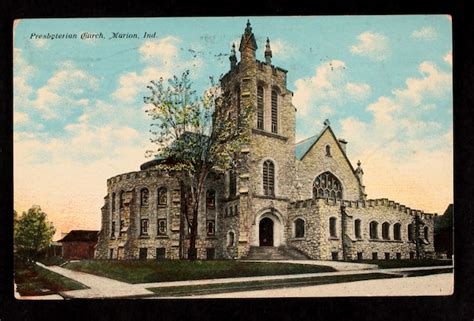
(163, 50)
(434, 83)
(403, 154)
(162, 60)
(281, 49)
(20, 118)
(372, 45)
(40, 43)
(449, 58)
(68, 87)
(358, 91)
(425, 33)
(329, 85)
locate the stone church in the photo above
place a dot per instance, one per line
(293, 200)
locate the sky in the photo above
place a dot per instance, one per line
(384, 82)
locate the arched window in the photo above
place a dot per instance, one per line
(357, 232)
(328, 150)
(232, 183)
(230, 239)
(386, 231)
(411, 235)
(211, 227)
(113, 202)
(425, 233)
(162, 196)
(397, 235)
(332, 227)
(299, 227)
(328, 186)
(260, 107)
(211, 199)
(122, 199)
(144, 197)
(161, 226)
(268, 178)
(373, 230)
(274, 111)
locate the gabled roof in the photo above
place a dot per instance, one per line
(80, 236)
(302, 148)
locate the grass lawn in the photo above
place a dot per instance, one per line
(264, 285)
(389, 264)
(35, 280)
(137, 271)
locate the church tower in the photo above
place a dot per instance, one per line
(264, 186)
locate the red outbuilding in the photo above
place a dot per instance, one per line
(79, 244)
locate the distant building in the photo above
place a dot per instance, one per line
(303, 197)
(443, 233)
(79, 244)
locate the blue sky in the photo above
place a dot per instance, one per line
(385, 83)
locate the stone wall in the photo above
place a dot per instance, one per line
(126, 242)
(316, 162)
(318, 243)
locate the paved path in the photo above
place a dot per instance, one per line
(438, 284)
(99, 287)
(102, 287)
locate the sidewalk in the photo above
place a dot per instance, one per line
(99, 287)
(436, 285)
(102, 287)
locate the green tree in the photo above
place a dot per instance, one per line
(32, 233)
(196, 135)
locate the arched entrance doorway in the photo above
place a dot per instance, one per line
(266, 232)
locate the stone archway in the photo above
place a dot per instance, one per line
(265, 229)
(268, 229)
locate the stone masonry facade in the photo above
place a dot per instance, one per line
(304, 195)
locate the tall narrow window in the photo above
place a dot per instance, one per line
(268, 178)
(144, 197)
(161, 230)
(162, 196)
(396, 232)
(122, 199)
(211, 199)
(260, 107)
(357, 232)
(113, 202)
(274, 111)
(211, 227)
(425, 232)
(411, 236)
(386, 231)
(328, 150)
(299, 228)
(144, 227)
(112, 231)
(373, 230)
(232, 183)
(332, 227)
(327, 185)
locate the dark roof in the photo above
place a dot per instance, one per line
(80, 236)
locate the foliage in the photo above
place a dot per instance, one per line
(32, 233)
(196, 135)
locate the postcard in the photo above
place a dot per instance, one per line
(236, 157)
